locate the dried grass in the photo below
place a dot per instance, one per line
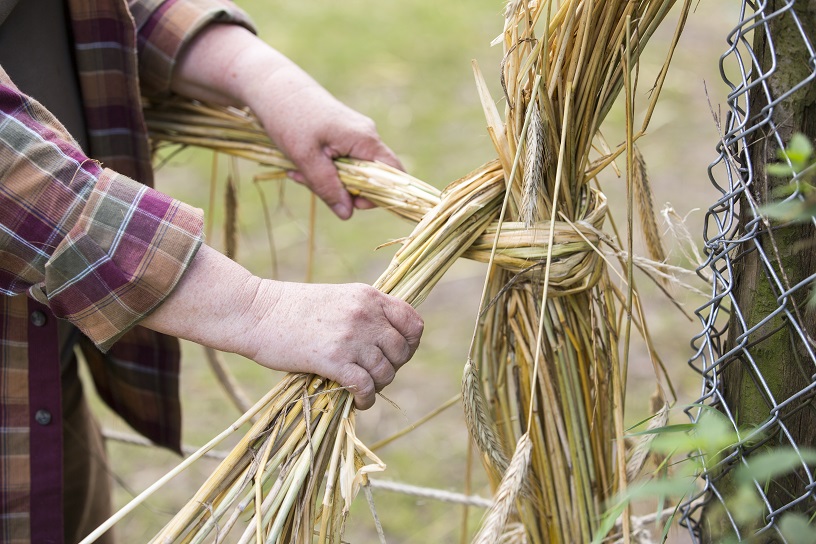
(543, 386)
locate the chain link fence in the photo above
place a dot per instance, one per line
(745, 343)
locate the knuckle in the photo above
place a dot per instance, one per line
(336, 352)
(368, 124)
(398, 348)
(358, 312)
(349, 375)
(367, 292)
(364, 298)
(383, 373)
(407, 352)
(400, 364)
(417, 325)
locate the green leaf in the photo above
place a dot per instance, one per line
(805, 187)
(641, 422)
(799, 150)
(669, 523)
(774, 462)
(793, 210)
(745, 505)
(679, 428)
(796, 529)
(663, 487)
(674, 443)
(714, 433)
(711, 434)
(660, 488)
(608, 521)
(780, 170)
(784, 191)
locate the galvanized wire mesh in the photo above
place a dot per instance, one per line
(739, 244)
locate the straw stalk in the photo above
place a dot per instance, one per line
(543, 386)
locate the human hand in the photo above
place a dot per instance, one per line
(227, 64)
(351, 333)
(313, 128)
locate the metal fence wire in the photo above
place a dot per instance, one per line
(737, 241)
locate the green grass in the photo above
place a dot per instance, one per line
(407, 65)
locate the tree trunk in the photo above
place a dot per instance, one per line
(781, 367)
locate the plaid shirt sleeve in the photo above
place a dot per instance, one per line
(100, 249)
(164, 27)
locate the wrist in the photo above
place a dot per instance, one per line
(259, 298)
(211, 305)
(265, 80)
(221, 62)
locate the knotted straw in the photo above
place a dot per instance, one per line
(543, 385)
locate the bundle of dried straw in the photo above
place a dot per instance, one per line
(543, 386)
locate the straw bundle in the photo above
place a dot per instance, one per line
(552, 368)
(543, 385)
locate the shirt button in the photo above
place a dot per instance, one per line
(43, 417)
(38, 318)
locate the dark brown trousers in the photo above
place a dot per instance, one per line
(86, 485)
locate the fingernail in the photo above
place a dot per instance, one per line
(342, 210)
(295, 175)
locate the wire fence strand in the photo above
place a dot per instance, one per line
(735, 231)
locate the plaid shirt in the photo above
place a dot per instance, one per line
(82, 241)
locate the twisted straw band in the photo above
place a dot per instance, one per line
(472, 200)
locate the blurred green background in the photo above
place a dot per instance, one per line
(408, 66)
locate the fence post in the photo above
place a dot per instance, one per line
(773, 366)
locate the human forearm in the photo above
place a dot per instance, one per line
(166, 28)
(209, 303)
(231, 66)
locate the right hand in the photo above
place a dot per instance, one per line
(351, 333)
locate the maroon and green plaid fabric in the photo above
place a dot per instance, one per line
(92, 242)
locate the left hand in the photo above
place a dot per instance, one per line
(312, 128)
(230, 65)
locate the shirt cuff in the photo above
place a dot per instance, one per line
(122, 258)
(164, 31)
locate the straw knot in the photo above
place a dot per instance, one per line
(576, 261)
